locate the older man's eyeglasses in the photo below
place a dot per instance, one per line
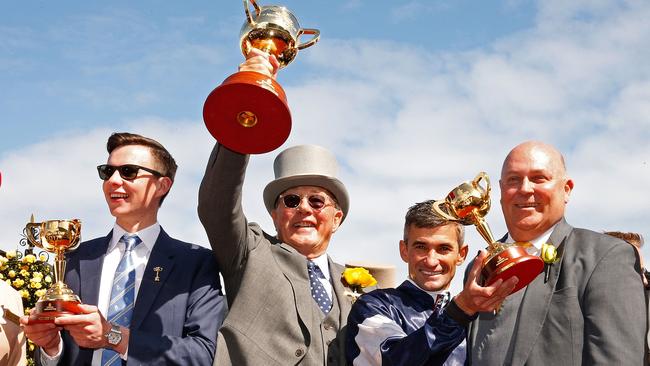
(127, 171)
(316, 202)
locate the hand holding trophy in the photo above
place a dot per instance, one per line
(248, 112)
(58, 236)
(468, 204)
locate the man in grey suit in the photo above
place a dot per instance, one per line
(586, 308)
(270, 280)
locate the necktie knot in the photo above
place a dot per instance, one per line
(130, 241)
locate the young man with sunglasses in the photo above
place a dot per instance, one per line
(286, 299)
(147, 298)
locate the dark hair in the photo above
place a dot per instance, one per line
(421, 215)
(158, 151)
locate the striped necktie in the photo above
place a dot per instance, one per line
(317, 289)
(120, 307)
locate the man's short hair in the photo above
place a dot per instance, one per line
(158, 151)
(421, 215)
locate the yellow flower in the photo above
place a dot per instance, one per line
(29, 258)
(40, 293)
(358, 277)
(3, 260)
(24, 273)
(11, 274)
(18, 283)
(38, 275)
(48, 279)
(549, 253)
(24, 294)
(11, 254)
(42, 257)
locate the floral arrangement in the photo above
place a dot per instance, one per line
(357, 279)
(31, 275)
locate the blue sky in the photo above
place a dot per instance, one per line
(412, 96)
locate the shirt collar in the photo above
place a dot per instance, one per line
(433, 294)
(539, 241)
(322, 263)
(148, 235)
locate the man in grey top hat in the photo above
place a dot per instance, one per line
(287, 302)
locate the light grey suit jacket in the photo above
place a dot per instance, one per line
(271, 319)
(591, 311)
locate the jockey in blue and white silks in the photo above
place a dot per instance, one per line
(406, 326)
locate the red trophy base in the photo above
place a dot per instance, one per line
(512, 261)
(48, 310)
(248, 113)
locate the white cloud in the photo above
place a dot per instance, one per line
(408, 125)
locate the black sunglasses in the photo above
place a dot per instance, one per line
(127, 171)
(315, 201)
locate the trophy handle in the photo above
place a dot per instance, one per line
(479, 177)
(312, 41)
(440, 212)
(249, 17)
(29, 233)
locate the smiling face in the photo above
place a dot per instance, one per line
(432, 255)
(134, 203)
(306, 229)
(534, 190)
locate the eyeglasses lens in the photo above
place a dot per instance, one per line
(293, 201)
(128, 172)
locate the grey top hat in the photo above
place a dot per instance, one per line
(306, 165)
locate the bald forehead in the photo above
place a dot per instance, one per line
(534, 156)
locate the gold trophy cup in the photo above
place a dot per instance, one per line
(248, 112)
(57, 236)
(468, 204)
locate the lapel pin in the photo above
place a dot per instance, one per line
(157, 270)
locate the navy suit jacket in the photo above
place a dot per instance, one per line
(175, 320)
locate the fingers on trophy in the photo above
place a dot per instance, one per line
(248, 112)
(58, 237)
(468, 204)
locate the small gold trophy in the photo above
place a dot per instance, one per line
(57, 236)
(468, 204)
(248, 112)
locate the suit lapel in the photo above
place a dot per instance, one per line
(162, 255)
(337, 286)
(294, 267)
(536, 300)
(90, 271)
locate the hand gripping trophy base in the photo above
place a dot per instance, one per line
(58, 301)
(506, 260)
(248, 113)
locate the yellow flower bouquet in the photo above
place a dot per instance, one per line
(31, 275)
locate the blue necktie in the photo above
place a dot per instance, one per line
(120, 308)
(317, 289)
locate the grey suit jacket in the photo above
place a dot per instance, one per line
(591, 311)
(175, 318)
(270, 321)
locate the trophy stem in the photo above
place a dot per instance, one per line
(59, 268)
(482, 227)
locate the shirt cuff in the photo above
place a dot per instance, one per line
(47, 360)
(458, 315)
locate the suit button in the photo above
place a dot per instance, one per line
(299, 352)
